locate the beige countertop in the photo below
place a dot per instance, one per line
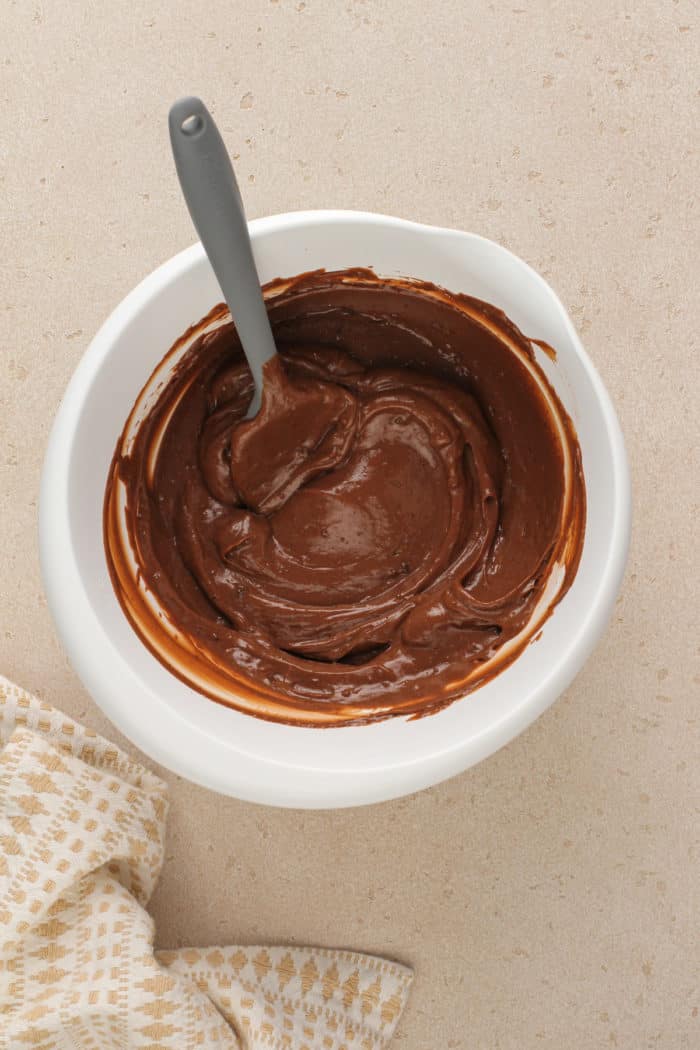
(548, 898)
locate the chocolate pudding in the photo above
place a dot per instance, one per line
(387, 534)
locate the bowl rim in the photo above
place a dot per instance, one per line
(252, 776)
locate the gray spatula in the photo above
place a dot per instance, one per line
(210, 189)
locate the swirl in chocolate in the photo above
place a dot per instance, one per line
(388, 533)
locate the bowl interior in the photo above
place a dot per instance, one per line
(238, 754)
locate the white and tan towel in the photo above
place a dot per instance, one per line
(81, 846)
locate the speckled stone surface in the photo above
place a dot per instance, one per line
(548, 898)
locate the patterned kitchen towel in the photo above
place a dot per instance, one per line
(81, 846)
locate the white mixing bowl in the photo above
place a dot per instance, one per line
(238, 754)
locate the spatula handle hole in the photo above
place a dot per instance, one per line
(192, 124)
